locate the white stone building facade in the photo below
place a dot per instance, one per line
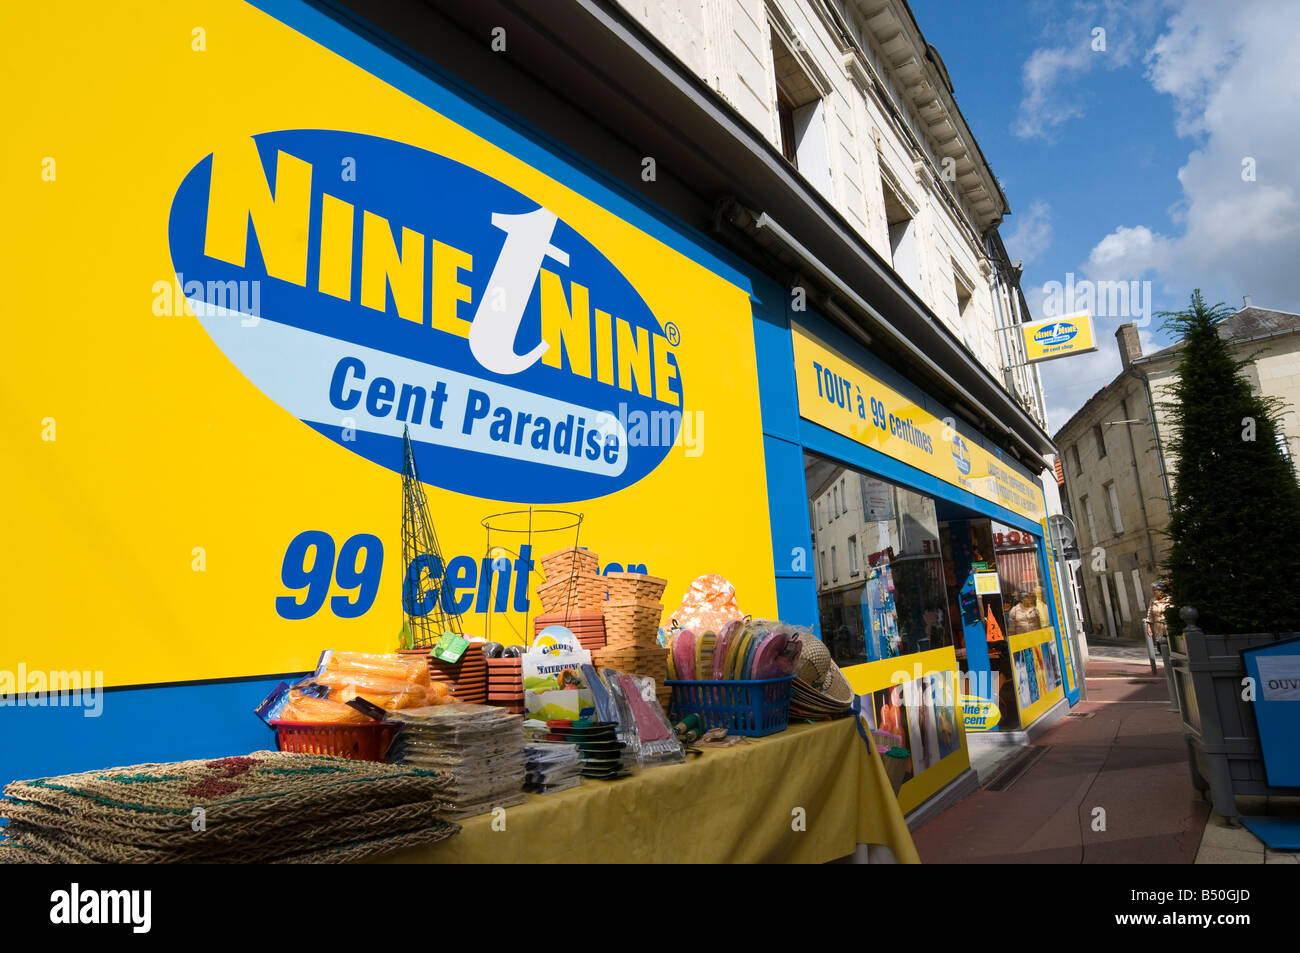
(856, 99)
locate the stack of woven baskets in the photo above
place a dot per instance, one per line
(632, 615)
(573, 582)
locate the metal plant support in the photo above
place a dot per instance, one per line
(529, 524)
(426, 612)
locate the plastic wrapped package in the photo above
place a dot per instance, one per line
(388, 693)
(647, 730)
(708, 605)
(308, 709)
(364, 682)
(401, 667)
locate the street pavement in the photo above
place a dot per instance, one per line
(1112, 788)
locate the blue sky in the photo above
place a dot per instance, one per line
(1170, 156)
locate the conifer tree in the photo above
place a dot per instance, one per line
(1234, 522)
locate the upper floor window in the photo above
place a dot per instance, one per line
(1113, 498)
(1092, 522)
(1101, 440)
(964, 295)
(801, 117)
(903, 250)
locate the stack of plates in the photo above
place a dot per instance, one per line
(467, 679)
(506, 684)
(589, 627)
(602, 755)
(481, 747)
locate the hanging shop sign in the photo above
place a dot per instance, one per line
(841, 396)
(284, 282)
(1058, 337)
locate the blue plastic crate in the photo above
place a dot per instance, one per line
(754, 707)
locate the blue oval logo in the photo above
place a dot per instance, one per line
(1059, 333)
(367, 286)
(961, 454)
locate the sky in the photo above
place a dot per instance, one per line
(1151, 141)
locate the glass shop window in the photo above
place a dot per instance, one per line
(1024, 597)
(894, 599)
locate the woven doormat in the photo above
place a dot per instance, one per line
(269, 806)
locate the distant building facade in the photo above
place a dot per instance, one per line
(1119, 473)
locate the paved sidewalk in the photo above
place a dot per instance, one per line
(1112, 788)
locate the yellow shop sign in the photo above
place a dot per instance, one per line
(1058, 337)
(841, 396)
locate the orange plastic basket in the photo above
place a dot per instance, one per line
(358, 742)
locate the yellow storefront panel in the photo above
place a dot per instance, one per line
(238, 267)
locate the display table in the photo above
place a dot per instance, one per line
(734, 805)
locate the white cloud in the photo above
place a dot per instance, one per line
(1127, 254)
(1031, 234)
(1070, 381)
(1043, 107)
(1228, 76)
(1228, 72)
(1051, 98)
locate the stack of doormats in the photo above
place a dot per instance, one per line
(552, 766)
(480, 746)
(266, 807)
(589, 627)
(573, 582)
(466, 678)
(632, 617)
(506, 684)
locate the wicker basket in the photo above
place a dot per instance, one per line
(634, 643)
(567, 562)
(634, 587)
(584, 592)
(632, 623)
(651, 662)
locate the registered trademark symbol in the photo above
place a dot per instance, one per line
(674, 335)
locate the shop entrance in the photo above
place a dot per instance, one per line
(1004, 637)
(901, 574)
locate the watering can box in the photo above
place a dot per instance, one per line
(555, 688)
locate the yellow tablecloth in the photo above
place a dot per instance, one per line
(735, 805)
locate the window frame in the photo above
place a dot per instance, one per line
(1112, 497)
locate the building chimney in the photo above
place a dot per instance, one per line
(1245, 302)
(1130, 345)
